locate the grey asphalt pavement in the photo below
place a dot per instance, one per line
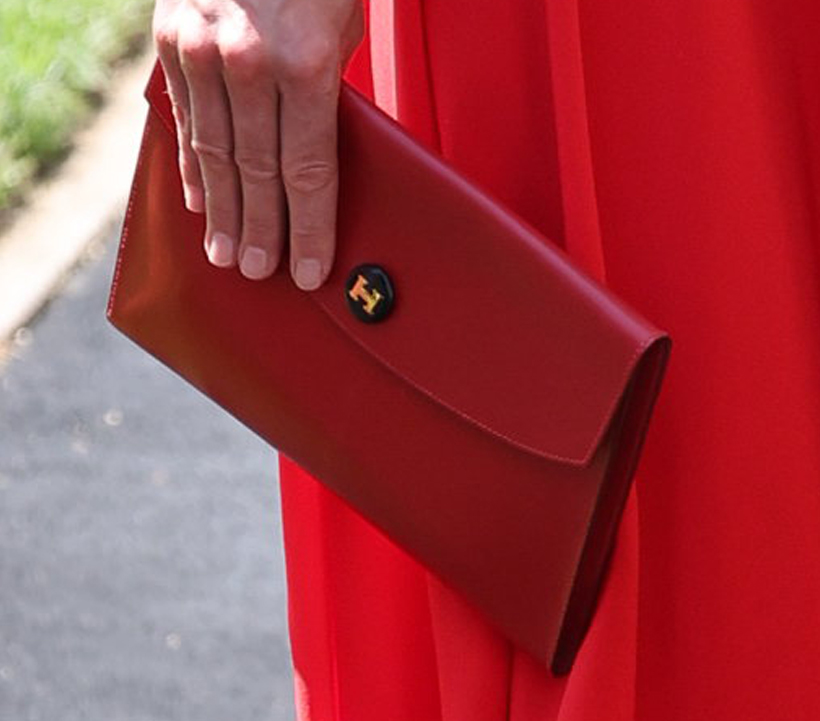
(141, 567)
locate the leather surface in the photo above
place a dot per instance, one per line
(527, 384)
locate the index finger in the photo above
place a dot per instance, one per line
(180, 103)
(309, 163)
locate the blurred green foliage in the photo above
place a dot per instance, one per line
(54, 61)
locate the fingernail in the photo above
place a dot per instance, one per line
(220, 250)
(254, 263)
(308, 273)
(194, 199)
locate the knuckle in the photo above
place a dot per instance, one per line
(306, 60)
(181, 114)
(164, 28)
(211, 153)
(310, 240)
(310, 177)
(311, 232)
(257, 168)
(165, 37)
(244, 57)
(182, 118)
(196, 47)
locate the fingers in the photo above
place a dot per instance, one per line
(165, 35)
(254, 104)
(308, 116)
(212, 141)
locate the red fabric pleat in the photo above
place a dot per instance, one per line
(673, 149)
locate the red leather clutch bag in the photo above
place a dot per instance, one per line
(489, 423)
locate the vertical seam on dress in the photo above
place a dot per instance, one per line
(431, 92)
(510, 676)
(331, 611)
(427, 582)
(579, 199)
(637, 591)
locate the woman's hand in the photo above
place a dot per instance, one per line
(254, 86)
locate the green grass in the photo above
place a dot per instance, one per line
(54, 61)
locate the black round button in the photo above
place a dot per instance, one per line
(369, 293)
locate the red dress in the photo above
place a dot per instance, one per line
(673, 148)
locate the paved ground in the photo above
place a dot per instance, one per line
(141, 570)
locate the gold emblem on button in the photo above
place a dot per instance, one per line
(369, 293)
(369, 298)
